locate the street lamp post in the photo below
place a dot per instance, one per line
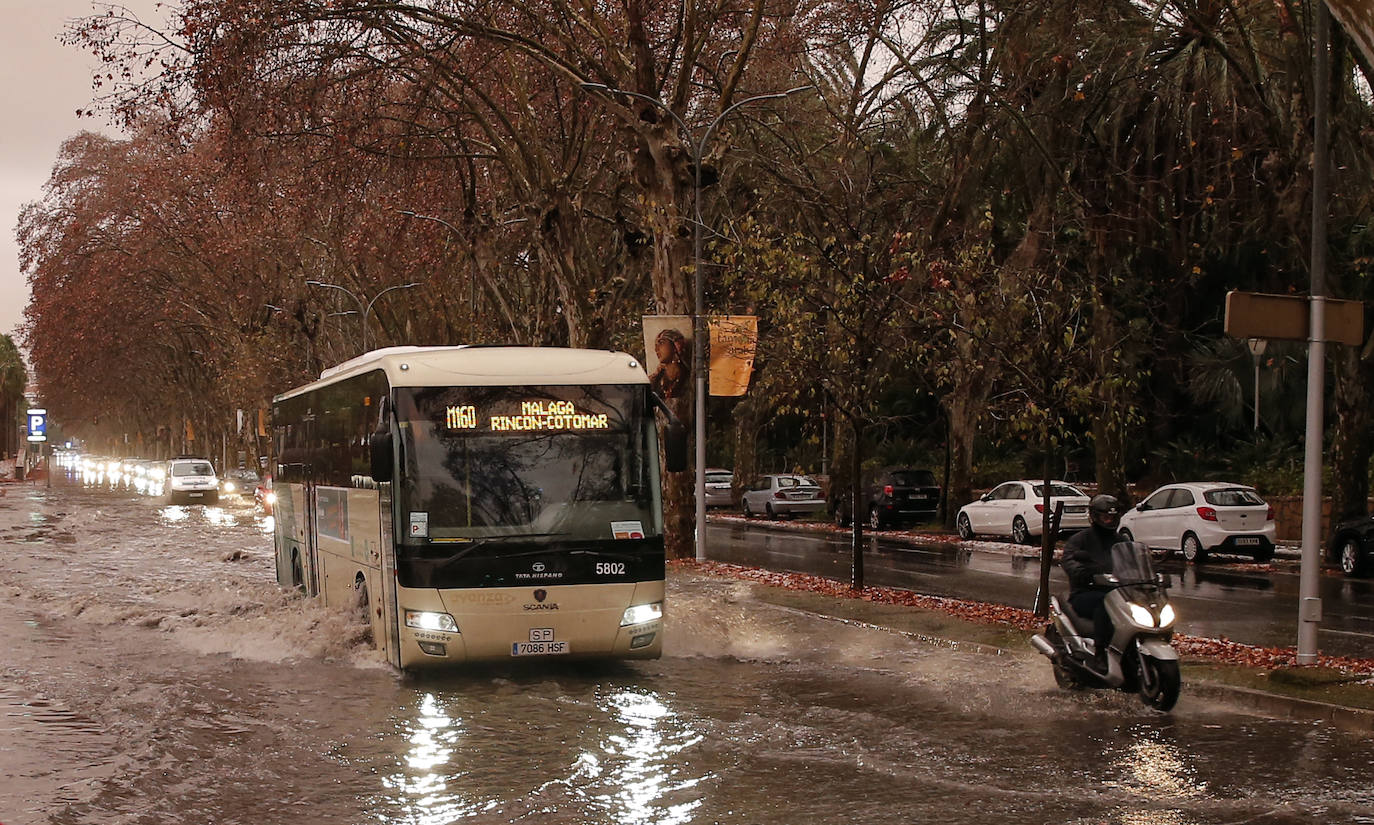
(697, 149)
(363, 309)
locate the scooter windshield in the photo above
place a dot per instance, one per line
(1131, 562)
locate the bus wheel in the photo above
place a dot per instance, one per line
(297, 574)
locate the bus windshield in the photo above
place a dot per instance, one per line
(572, 462)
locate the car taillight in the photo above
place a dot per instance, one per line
(1269, 516)
(1207, 513)
(779, 494)
(887, 489)
(1040, 508)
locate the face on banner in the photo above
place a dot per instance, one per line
(668, 354)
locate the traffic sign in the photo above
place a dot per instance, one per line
(1287, 317)
(38, 425)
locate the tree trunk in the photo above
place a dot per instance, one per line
(962, 406)
(856, 497)
(1351, 444)
(1042, 593)
(663, 174)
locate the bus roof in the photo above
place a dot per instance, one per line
(476, 366)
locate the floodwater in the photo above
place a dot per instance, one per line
(154, 673)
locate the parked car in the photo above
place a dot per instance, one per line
(1016, 509)
(719, 484)
(191, 481)
(240, 483)
(1201, 518)
(263, 494)
(1351, 546)
(782, 494)
(892, 495)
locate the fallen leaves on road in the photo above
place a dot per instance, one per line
(1216, 650)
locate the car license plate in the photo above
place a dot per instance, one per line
(194, 495)
(539, 648)
(1247, 540)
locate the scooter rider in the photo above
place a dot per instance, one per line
(1086, 554)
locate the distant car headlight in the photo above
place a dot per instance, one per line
(1166, 616)
(426, 620)
(641, 613)
(1142, 616)
(270, 498)
(229, 487)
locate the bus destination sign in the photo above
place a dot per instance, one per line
(532, 416)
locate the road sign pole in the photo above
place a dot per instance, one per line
(1309, 599)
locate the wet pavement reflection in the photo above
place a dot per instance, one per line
(156, 674)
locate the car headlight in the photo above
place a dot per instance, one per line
(1166, 616)
(228, 486)
(641, 613)
(1142, 616)
(270, 498)
(426, 620)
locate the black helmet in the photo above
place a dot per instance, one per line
(1105, 512)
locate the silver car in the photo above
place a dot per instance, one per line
(719, 484)
(782, 494)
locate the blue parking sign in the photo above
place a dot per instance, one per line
(38, 425)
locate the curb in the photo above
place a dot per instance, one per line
(1287, 707)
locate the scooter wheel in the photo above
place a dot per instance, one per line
(1159, 683)
(1066, 678)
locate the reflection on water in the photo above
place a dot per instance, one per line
(642, 755)
(612, 756)
(1156, 764)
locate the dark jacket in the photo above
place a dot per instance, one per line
(1087, 553)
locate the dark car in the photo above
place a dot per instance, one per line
(1351, 546)
(240, 483)
(895, 495)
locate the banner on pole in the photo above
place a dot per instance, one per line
(733, 339)
(668, 354)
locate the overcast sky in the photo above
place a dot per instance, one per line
(44, 83)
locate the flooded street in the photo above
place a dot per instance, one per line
(155, 673)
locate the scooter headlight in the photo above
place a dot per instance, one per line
(1142, 616)
(1166, 615)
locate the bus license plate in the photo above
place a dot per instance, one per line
(1247, 541)
(538, 648)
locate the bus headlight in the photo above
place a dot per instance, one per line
(1166, 616)
(425, 620)
(1142, 616)
(641, 613)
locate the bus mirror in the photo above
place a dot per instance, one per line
(380, 447)
(675, 447)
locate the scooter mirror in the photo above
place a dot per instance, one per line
(1164, 580)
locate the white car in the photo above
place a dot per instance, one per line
(782, 494)
(1016, 509)
(192, 481)
(719, 483)
(1200, 518)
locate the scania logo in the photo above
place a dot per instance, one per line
(538, 567)
(540, 595)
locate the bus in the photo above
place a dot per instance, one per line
(479, 503)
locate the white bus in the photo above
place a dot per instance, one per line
(482, 503)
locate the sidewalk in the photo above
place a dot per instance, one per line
(1338, 690)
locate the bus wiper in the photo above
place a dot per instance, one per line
(487, 541)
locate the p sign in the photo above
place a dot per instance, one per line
(38, 425)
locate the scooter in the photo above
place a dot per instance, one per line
(1140, 658)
